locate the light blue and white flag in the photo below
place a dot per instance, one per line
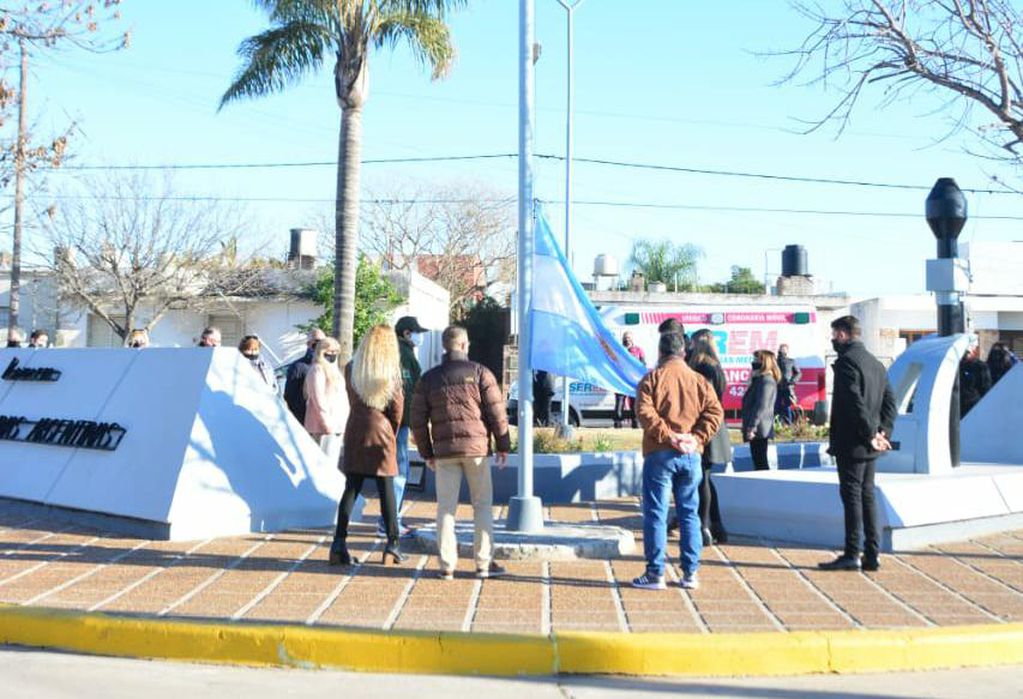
(568, 336)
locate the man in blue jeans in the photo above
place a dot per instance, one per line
(409, 333)
(679, 413)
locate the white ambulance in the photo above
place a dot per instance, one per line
(738, 332)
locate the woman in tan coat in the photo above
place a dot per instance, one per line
(373, 379)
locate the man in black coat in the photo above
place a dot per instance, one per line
(790, 375)
(543, 392)
(294, 394)
(862, 416)
(974, 380)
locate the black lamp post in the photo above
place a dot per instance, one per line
(946, 215)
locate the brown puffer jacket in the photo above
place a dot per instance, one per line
(455, 409)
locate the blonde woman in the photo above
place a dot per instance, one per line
(326, 408)
(373, 380)
(138, 338)
(758, 406)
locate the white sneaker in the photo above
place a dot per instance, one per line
(689, 582)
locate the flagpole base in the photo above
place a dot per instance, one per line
(525, 514)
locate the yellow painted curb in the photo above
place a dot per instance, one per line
(773, 653)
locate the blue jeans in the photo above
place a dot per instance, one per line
(666, 472)
(401, 478)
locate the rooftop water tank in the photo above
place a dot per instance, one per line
(605, 266)
(793, 262)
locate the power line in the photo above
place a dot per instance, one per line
(542, 156)
(506, 200)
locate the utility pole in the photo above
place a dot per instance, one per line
(19, 191)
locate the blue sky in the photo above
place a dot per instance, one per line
(662, 82)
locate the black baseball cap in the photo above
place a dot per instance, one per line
(408, 323)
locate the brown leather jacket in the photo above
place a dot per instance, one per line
(673, 398)
(371, 447)
(455, 409)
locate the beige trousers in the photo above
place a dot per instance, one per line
(481, 493)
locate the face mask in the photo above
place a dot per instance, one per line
(136, 345)
(252, 357)
(782, 355)
(839, 346)
(757, 366)
(416, 339)
(331, 358)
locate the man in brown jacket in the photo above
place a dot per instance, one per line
(455, 409)
(679, 413)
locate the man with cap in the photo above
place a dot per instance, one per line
(410, 334)
(293, 394)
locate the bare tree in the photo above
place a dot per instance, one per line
(967, 52)
(463, 238)
(46, 26)
(130, 247)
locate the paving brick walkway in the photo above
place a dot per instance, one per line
(746, 586)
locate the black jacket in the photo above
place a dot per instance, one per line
(790, 375)
(293, 386)
(862, 404)
(758, 407)
(974, 383)
(719, 448)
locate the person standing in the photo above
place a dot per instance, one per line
(410, 334)
(758, 407)
(39, 339)
(974, 380)
(680, 414)
(862, 417)
(138, 339)
(1000, 360)
(326, 408)
(250, 347)
(373, 382)
(703, 359)
(294, 384)
(543, 392)
(210, 337)
(790, 375)
(14, 338)
(456, 408)
(622, 401)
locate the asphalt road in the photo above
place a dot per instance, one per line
(45, 675)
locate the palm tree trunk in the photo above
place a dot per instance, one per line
(346, 226)
(19, 195)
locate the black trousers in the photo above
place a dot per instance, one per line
(542, 410)
(353, 486)
(758, 452)
(856, 486)
(710, 514)
(619, 415)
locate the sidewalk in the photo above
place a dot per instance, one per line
(746, 586)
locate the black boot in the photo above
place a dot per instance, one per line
(339, 555)
(392, 554)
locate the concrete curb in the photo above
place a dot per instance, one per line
(749, 654)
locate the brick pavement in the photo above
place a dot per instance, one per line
(746, 585)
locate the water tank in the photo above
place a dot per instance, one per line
(302, 253)
(605, 266)
(657, 287)
(793, 262)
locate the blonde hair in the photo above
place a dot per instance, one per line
(767, 358)
(330, 369)
(138, 335)
(376, 367)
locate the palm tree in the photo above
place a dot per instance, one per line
(302, 35)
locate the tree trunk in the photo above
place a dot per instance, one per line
(346, 227)
(19, 194)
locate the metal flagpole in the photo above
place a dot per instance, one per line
(570, 8)
(525, 511)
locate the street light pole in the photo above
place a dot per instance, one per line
(525, 511)
(570, 8)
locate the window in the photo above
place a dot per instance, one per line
(100, 334)
(911, 336)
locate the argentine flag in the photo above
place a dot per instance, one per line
(568, 336)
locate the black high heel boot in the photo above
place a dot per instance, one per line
(339, 555)
(394, 554)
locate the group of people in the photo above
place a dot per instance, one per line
(38, 339)
(977, 377)
(678, 406)
(456, 411)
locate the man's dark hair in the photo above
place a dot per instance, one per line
(672, 325)
(849, 324)
(671, 344)
(37, 333)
